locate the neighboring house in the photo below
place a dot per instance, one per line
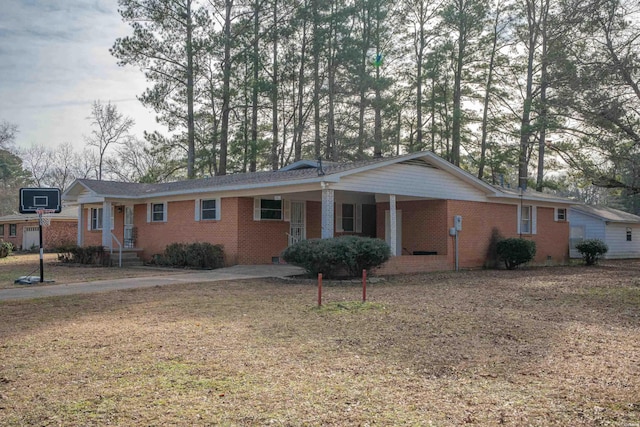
(23, 230)
(619, 230)
(409, 200)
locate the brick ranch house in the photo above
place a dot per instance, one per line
(23, 230)
(409, 200)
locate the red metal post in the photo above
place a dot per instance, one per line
(364, 285)
(319, 289)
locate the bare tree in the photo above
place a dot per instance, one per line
(7, 134)
(37, 160)
(110, 127)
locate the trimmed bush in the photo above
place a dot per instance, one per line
(350, 254)
(81, 254)
(362, 253)
(194, 255)
(515, 252)
(5, 249)
(592, 250)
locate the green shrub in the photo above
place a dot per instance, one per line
(81, 254)
(350, 254)
(591, 250)
(205, 255)
(362, 253)
(515, 252)
(195, 255)
(5, 249)
(315, 256)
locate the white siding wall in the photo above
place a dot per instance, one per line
(594, 228)
(617, 241)
(411, 180)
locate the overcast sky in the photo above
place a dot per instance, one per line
(55, 61)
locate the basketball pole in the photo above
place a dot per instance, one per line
(41, 249)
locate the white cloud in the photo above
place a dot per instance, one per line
(55, 61)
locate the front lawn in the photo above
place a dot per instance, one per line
(550, 346)
(28, 264)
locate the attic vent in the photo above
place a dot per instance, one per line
(418, 162)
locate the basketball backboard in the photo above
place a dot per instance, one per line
(32, 199)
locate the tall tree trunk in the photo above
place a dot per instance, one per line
(253, 149)
(317, 39)
(226, 89)
(191, 152)
(331, 129)
(274, 90)
(377, 133)
(457, 91)
(299, 129)
(525, 123)
(362, 104)
(420, 46)
(544, 81)
(487, 94)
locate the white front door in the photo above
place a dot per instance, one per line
(298, 230)
(129, 238)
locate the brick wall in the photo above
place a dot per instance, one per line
(259, 241)
(181, 227)
(422, 225)
(314, 220)
(425, 226)
(54, 235)
(60, 233)
(407, 264)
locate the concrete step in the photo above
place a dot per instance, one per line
(129, 259)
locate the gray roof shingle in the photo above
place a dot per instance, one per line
(607, 214)
(129, 189)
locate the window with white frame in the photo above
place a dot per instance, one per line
(348, 217)
(158, 212)
(13, 230)
(1, 230)
(525, 220)
(561, 214)
(209, 209)
(270, 209)
(96, 218)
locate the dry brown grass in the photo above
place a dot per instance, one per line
(17, 265)
(554, 346)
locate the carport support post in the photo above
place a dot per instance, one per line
(393, 225)
(328, 200)
(81, 225)
(106, 225)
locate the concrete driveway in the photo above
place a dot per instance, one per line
(229, 273)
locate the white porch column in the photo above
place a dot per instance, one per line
(81, 225)
(393, 225)
(328, 199)
(106, 225)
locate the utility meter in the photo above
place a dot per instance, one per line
(457, 222)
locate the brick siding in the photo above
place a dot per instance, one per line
(425, 227)
(57, 234)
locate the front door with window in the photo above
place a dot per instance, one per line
(129, 237)
(297, 231)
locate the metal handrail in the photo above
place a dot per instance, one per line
(119, 249)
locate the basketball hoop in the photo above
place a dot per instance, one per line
(44, 216)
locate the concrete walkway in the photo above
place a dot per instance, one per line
(230, 273)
